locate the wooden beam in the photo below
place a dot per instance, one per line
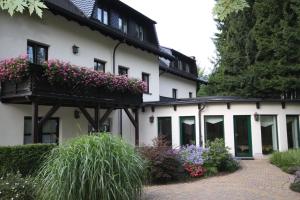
(130, 117)
(137, 131)
(87, 116)
(97, 108)
(152, 108)
(228, 106)
(104, 117)
(175, 107)
(34, 122)
(283, 105)
(47, 116)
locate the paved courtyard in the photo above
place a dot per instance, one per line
(257, 180)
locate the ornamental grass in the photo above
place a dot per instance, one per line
(92, 167)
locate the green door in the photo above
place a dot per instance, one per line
(187, 131)
(242, 136)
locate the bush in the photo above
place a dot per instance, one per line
(218, 158)
(92, 167)
(14, 186)
(23, 158)
(192, 158)
(295, 187)
(286, 160)
(164, 164)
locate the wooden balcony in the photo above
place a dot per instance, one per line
(36, 87)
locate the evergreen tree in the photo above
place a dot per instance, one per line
(258, 51)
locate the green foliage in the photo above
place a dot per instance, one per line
(14, 186)
(13, 6)
(218, 158)
(257, 51)
(92, 167)
(223, 8)
(25, 159)
(164, 164)
(295, 187)
(286, 160)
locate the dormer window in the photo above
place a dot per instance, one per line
(122, 24)
(187, 68)
(139, 32)
(102, 15)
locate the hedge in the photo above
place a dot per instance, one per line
(23, 158)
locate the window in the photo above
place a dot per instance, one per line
(187, 131)
(122, 24)
(102, 15)
(174, 93)
(50, 131)
(180, 65)
(269, 133)
(139, 32)
(37, 52)
(190, 94)
(214, 127)
(123, 71)
(187, 68)
(99, 65)
(165, 129)
(293, 134)
(145, 78)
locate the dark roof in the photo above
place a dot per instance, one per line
(172, 70)
(69, 10)
(212, 99)
(85, 6)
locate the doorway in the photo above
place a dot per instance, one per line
(242, 135)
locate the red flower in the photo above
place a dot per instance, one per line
(194, 170)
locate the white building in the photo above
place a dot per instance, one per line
(112, 37)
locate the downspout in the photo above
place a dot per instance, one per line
(114, 55)
(201, 107)
(114, 72)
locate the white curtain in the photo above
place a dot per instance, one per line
(213, 120)
(295, 133)
(267, 121)
(189, 121)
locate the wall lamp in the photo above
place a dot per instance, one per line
(75, 49)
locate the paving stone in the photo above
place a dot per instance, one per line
(257, 180)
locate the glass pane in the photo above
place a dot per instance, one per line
(188, 131)
(28, 139)
(214, 127)
(165, 129)
(120, 23)
(99, 14)
(41, 55)
(105, 17)
(50, 127)
(242, 136)
(141, 34)
(268, 134)
(49, 139)
(30, 53)
(293, 131)
(124, 26)
(106, 126)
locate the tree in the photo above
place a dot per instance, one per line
(33, 6)
(223, 8)
(258, 51)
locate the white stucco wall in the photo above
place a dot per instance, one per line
(61, 34)
(183, 86)
(148, 131)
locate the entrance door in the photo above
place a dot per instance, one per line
(187, 131)
(242, 136)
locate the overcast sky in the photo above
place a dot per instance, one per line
(186, 26)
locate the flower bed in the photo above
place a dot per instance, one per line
(57, 72)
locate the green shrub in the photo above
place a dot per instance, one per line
(14, 186)
(295, 187)
(92, 167)
(286, 160)
(23, 158)
(218, 157)
(164, 164)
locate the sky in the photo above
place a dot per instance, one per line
(186, 26)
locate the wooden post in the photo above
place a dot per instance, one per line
(137, 131)
(35, 123)
(97, 129)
